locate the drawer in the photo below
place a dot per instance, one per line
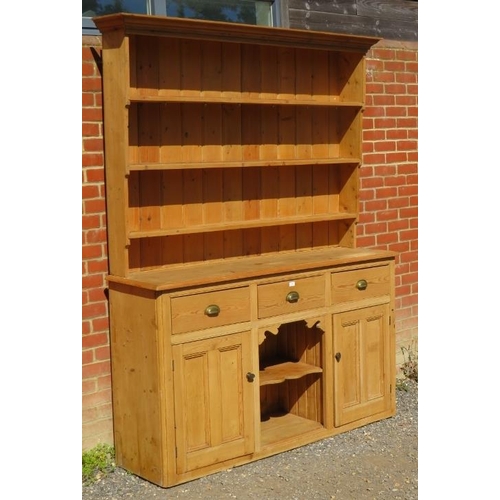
(360, 284)
(290, 296)
(210, 309)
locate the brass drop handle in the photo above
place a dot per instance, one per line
(292, 297)
(250, 376)
(338, 356)
(212, 310)
(362, 285)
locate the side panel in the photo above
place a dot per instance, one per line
(137, 384)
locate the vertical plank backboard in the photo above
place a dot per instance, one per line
(335, 76)
(212, 133)
(169, 77)
(133, 134)
(148, 120)
(192, 132)
(303, 74)
(286, 133)
(233, 210)
(321, 90)
(171, 133)
(251, 193)
(193, 197)
(213, 246)
(269, 193)
(320, 204)
(150, 198)
(150, 253)
(132, 69)
(304, 133)
(190, 68)
(231, 132)
(193, 247)
(319, 136)
(251, 209)
(134, 202)
(250, 74)
(172, 250)
(250, 132)
(213, 193)
(286, 73)
(211, 69)
(213, 211)
(269, 208)
(287, 207)
(334, 132)
(172, 201)
(320, 181)
(150, 201)
(231, 70)
(269, 133)
(268, 72)
(233, 191)
(146, 59)
(304, 196)
(134, 256)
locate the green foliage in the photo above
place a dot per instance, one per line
(402, 384)
(409, 367)
(97, 462)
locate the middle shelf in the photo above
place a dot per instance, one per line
(176, 202)
(194, 133)
(279, 371)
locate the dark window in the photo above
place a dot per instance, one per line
(262, 12)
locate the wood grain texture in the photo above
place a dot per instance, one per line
(232, 157)
(389, 19)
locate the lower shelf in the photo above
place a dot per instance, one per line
(283, 426)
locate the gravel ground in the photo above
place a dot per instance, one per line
(377, 461)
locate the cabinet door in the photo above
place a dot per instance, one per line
(362, 363)
(213, 400)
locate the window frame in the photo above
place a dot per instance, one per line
(159, 8)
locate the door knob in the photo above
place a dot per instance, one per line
(338, 356)
(250, 376)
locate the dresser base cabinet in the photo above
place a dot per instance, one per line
(243, 385)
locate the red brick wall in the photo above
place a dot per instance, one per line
(96, 377)
(388, 209)
(389, 175)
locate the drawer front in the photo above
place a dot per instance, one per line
(360, 284)
(211, 309)
(290, 296)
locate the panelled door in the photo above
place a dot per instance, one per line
(361, 363)
(214, 409)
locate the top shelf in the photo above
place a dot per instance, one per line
(192, 61)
